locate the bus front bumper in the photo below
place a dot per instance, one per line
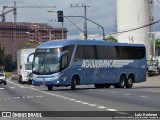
(45, 82)
(54, 80)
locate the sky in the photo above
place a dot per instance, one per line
(100, 11)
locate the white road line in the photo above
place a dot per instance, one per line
(92, 105)
(144, 97)
(72, 99)
(16, 97)
(127, 94)
(7, 98)
(30, 97)
(78, 101)
(1, 88)
(67, 98)
(112, 92)
(85, 103)
(39, 96)
(101, 107)
(102, 91)
(111, 110)
(11, 87)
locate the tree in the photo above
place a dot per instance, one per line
(10, 65)
(6, 61)
(157, 46)
(2, 58)
(111, 39)
(157, 43)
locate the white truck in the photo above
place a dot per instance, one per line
(152, 67)
(24, 66)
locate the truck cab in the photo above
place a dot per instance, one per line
(152, 67)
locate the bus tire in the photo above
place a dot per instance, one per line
(121, 83)
(73, 83)
(129, 82)
(50, 87)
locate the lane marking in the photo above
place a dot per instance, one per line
(16, 97)
(1, 88)
(11, 87)
(111, 110)
(112, 92)
(64, 97)
(144, 97)
(7, 98)
(127, 94)
(101, 107)
(39, 96)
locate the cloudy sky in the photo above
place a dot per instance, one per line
(100, 11)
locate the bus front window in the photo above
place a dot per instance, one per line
(46, 61)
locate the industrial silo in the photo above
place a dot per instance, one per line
(133, 19)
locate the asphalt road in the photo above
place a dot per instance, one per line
(142, 97)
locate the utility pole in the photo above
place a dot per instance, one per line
(151, 17)
(85, 15)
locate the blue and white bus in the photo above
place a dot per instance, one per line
(82, 62)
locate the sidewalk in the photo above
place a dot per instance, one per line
(153, 81)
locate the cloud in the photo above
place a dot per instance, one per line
(100, 11)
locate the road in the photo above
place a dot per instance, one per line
(142, 97)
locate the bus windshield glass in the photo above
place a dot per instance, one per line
(46, 61)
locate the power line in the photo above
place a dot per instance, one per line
(136, 28)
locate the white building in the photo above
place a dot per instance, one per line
(133, 19)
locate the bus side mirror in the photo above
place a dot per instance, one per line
(64, 62)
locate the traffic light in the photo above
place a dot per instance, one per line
(60, 16)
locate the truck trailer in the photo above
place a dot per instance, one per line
(24, 64)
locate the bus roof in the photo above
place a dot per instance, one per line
(65, 42)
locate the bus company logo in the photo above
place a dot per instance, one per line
(97, 64)
(105, 63)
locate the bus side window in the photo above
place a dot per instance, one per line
(79, 53)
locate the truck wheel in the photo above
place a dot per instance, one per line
(121, 83)
(74, 83)
(50, 87)
(129, 82)
(5, 83)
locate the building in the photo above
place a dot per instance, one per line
(13, 36)
(133, 19)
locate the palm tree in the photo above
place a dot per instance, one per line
(111, 39)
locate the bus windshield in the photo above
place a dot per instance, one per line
(46, 61)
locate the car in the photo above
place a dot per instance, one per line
(14, 75)
(3, 78)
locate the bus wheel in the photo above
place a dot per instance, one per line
(50, 87)
(121, 83)
(129, 82)
(74, 83)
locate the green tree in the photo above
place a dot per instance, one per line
(10, 65)
(111, 39)
(6, 61)
(157, 43)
